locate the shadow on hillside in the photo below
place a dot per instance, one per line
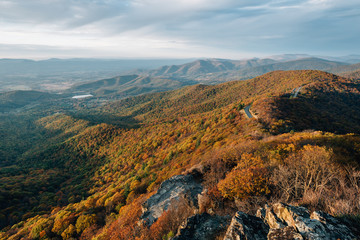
(336, 112)
(100, 117)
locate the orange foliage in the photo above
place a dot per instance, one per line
(170, 220)
(249, 178)
(125, 227)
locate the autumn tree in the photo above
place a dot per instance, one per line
(248, 178)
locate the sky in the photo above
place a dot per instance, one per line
(236, 29)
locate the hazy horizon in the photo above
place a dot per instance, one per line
(176, 29)
(292, 56)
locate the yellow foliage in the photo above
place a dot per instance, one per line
(249, 178)
(85, 221)
(69, 232)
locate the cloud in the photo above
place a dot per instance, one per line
(183, 26)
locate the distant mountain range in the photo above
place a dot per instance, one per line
(208, 66)
(59, 74)
(169, 77)
(222, 70)
(350, 59)
(207, 71)
(54, 65)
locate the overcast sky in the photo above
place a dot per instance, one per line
(177, 28)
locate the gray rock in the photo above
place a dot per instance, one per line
(247, 227)
(288, 222)
(335, 229)
(202, 227)
(286, 233)
(272, 219)
(299, 218)
(171, 190)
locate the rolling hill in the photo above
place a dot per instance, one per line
(17, 99)
(349, 71)
(128, 85)
(352, 75)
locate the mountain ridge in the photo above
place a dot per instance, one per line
(215, 71)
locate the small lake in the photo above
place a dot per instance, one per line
(82, 96)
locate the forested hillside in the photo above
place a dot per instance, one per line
(331, 105)
(91, 170)
(129, 85)
(349, 71)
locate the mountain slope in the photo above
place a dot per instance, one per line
(349, 71)
(17, 99)
(322, 105)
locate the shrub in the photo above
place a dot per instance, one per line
(249, 178)
(305, 173)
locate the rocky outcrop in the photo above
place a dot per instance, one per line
(202, 227)
(245, 226)
(171, 190)
(282, 221)
(276, 222)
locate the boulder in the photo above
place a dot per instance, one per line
(247, 227)
(171, 190)
(202, 227)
